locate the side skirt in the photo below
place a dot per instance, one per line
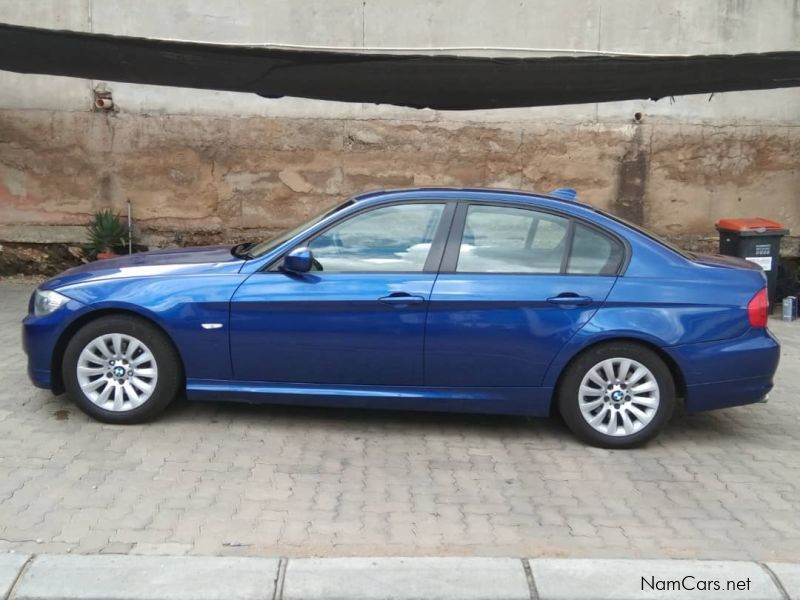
(527, 401)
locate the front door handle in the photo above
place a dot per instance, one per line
(570, 299)
(401, 299)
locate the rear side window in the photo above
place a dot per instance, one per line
(501, 239)
(593, 253)
(507, 239)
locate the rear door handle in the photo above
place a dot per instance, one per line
(570, 299)
(401, 298)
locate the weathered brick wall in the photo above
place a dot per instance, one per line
(195, 179)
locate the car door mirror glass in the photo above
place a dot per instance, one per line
(299, 260)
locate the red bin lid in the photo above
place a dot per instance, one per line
(755, 224)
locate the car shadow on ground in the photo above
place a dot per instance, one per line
(707, 427)
(361, 418)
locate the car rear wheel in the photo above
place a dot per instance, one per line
(121, 369)
(618, 395)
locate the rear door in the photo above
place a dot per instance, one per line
(516, 283)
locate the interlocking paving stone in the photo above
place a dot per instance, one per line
(229, 479)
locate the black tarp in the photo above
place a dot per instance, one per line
(419, 81)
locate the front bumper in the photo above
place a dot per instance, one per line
(40, 340)
(728, 373)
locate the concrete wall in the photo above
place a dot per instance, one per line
(205, 166)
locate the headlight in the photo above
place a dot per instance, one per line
(47, 301)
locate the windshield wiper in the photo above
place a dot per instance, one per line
(240, 250)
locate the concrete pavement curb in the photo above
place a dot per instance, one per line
(112, 577)
(129, 577)
(380, 578)
(11, 566)
(631, 579)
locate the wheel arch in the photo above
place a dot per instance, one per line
(56, 361)
(674, 369)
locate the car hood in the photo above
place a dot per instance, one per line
(170, 262)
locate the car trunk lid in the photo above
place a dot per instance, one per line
(718, 260)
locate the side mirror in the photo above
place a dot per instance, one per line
(298, 260)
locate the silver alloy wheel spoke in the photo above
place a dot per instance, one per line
(647, 386)
(116, 344)
(597, 379)
(592, 404)
(102, 349)
(608, 370)
(590, 391)
(644, 401)
(98, 358)
(618, 397)
(95, 384)
(599, 417)
(624, 369)
(104, 395)
(133, 346)
(141, 384)
(145, 356)
(117, 372)
(131, 392)
(640, 372)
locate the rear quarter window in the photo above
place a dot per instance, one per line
(594, 253)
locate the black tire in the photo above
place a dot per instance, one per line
(569, 390)
(170, 371)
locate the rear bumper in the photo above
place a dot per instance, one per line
(728, 372)
(724, 394)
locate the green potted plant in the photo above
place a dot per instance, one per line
(106, 233)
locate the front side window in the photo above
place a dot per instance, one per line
(269, 245)
(501, 239)
(393, 238)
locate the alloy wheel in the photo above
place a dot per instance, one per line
(117, 372)
(618, 397)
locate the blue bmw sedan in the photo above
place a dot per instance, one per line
(461, 300)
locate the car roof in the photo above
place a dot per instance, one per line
(493, 194)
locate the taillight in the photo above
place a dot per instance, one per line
(758, 309)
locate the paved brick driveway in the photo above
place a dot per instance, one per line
(232, 479)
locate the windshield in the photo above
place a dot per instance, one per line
(264, 247)
(649, 234)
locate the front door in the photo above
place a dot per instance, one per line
(358, 317)
(516, 285)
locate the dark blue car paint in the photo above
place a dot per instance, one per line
(329, 328)
(463, 342)
(500, 330)
(487, 400)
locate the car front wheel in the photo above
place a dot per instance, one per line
(618, 395)
(121, 369)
